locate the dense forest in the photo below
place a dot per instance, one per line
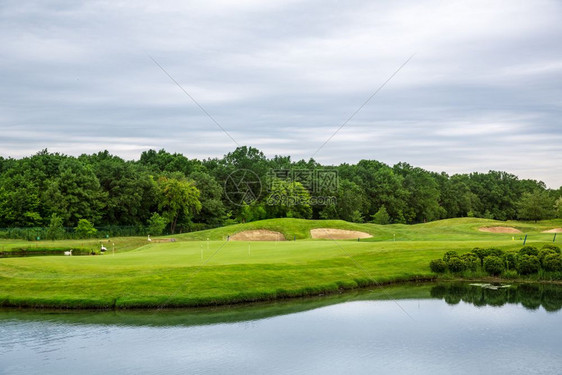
(180, 194)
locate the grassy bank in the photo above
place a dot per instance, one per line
(196, 272)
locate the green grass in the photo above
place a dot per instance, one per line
(197, 272)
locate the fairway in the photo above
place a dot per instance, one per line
(194, 271)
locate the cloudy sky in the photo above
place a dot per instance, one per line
(483, 90)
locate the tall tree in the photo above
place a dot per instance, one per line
(535, 206)
(177, 198)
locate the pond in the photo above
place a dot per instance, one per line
(421, 329)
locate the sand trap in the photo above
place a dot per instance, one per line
(555, 230)
(499, 230)
(258, 235)
(337, 234)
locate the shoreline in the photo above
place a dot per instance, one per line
(241, 299)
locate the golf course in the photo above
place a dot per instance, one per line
(208, 268)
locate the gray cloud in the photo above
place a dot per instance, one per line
(483, 91)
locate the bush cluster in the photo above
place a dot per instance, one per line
(528, 260)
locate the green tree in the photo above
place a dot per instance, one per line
(213, 210)
(129, 189)
(85, 229)
(536, 206)
(55, 229)
(156, 224)
(381, 217)
(558, 208)
(177, 198)
(356, 217)
(74, 194)
(288, 199)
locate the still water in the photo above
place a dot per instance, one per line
(427, 329)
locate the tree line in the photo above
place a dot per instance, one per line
(169, 190)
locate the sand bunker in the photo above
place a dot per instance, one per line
(499, 230)
(258, 235)
(555, 230)
(337, 234)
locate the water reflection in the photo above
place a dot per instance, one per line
(455, 328)
(531, 296)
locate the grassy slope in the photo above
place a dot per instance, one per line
(174, 274)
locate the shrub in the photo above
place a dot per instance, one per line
(438, 266)
(510, 274)
(381, 217)
(493, 265)
(456, 264)
(156, 224)
(528, 264)
(494, 251)
(481, 254)
(553, 247)
(529, 250)
(470, 260)
(449, 254)
(543, 253)
(552, 263)
(510, 261)
(85, 229)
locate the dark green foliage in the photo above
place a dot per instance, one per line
(553, 263)
(536, 205)
(493, 265)
(110, 191)
(450, 254)
(529, 250)
(471, 261)
(553, 247)
(481, 254)
(456, 264)
(438, 266)
(530, 296)
(510, 261)
(543, 253)
(495, 252)
(528, 264)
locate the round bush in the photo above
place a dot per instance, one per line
(528, 264)
(494, 251)
(493, 265)
(543, 253)
(481, 254)
(529, 250)
(449, 254)
(456, 264)
(509, 260)
(553, 263)
(470, 260)
(438, 266)
(553, 247)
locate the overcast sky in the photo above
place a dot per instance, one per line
(483, 90)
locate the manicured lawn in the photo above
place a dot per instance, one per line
(192, 272)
